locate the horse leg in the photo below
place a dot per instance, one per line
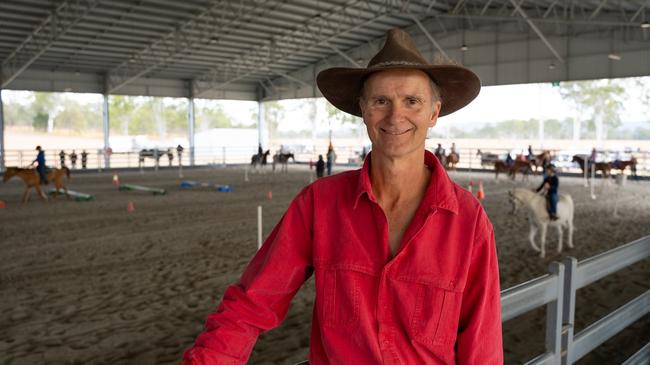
(41, 193)
(531, 237)
(570, 231)
(542, 243)
(26, 194)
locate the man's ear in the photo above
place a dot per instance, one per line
(434, 114)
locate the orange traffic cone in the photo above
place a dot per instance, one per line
(480, 194)
(130, 207)
(269, 195)
(116, 180)
(2, 204)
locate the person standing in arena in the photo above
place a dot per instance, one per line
(404, 259)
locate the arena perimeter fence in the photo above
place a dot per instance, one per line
(346, 156)
(557, 290)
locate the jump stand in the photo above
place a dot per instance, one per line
(80, 197)
(131, 187)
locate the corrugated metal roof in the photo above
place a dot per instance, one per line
(223, 44)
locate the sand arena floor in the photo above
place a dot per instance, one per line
(90, 283)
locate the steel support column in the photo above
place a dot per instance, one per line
(191, 124)
(2, 135)
(106, 129)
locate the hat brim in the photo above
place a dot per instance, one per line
(342, 86)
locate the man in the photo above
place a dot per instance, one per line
(404, 259)
(62, 158)
(331, 159)
(320, 167)
(84, 159)
(179, 153)
(40, 165)
(73, 159)
(550, 185)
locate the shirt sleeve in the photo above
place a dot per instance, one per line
(261, 298)
(479, 338)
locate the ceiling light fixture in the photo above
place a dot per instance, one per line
(645, 25)
(464, 47)
(551, 66)
(614, 57)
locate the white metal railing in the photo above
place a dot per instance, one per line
(557, 290)
(581, 274)
(545, 290)
(221, 155)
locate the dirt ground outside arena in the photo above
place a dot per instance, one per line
(90, 283)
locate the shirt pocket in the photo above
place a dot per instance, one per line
(339, 294)
(435, 316)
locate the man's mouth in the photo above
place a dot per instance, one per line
(395, 132)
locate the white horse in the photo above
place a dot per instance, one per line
(539, 218)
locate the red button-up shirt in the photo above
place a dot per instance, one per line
(435, 302)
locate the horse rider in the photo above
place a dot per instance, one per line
(550, 186)
(439, 150)
(509, 160)
(62, 157)
(404, 259)
(592, 158)
(531, 155)
(40, 167)
(453, 149)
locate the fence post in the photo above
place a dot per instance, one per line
(155, 155)
(569, 308)
(554, 315)
(223, 155)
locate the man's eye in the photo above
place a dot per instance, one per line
(413, 101)
(380, 101)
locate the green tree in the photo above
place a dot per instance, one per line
(600, 101)
(273, 114)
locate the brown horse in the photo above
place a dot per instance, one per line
(32, 180)
(538, 161)
(604, 167)
(622, 165)
(517, 166)
(451, 161)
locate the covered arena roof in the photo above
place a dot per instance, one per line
(272, 49)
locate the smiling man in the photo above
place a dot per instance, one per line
(404, 259)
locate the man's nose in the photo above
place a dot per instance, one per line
(396, 112)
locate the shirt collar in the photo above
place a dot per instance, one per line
(440, 192)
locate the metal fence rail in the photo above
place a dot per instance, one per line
(581, 274)
(642, 357)
(527, 296)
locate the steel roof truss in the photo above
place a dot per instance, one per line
(58, 22)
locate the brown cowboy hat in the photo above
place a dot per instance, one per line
(342, 86)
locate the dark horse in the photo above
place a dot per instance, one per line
(259, 159)
(604, 167)
(154, 154)
(523, 167)
(622, 165)
(283, 159)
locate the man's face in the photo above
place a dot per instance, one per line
(397, 109)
